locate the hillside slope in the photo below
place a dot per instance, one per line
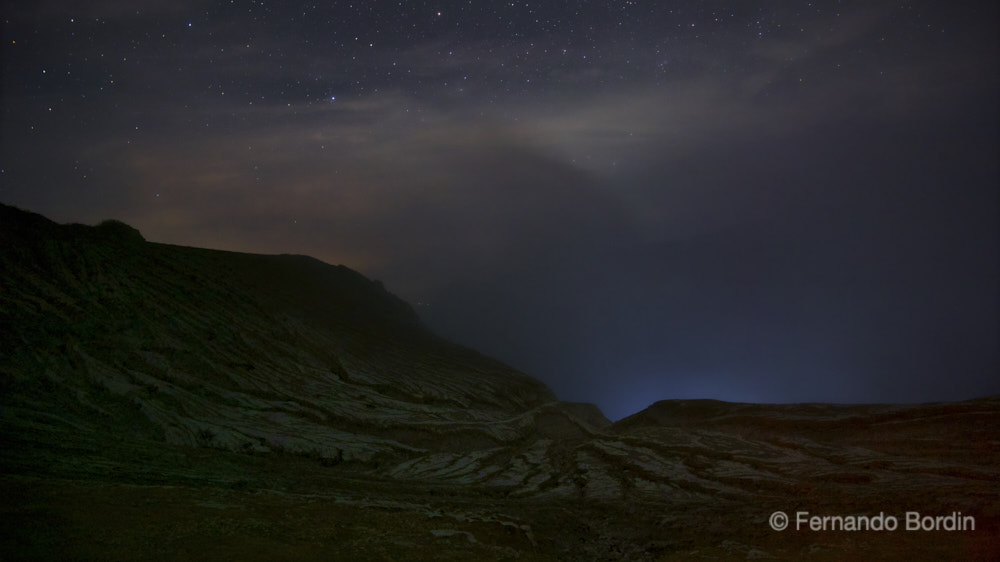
(161, 402)
(107, 334)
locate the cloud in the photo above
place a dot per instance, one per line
(427, 199)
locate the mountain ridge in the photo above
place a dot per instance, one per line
(245, 387)
(140, 304)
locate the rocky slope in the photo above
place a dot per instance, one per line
(164, 402)
(106, 332)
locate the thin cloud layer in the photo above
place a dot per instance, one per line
(630, 202)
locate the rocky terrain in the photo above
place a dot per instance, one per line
(160, 402)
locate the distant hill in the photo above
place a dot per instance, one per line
(164, 402)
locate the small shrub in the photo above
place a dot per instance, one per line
(205, 436)
(241, 484)
(332, 461)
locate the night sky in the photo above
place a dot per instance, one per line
(629, 200)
